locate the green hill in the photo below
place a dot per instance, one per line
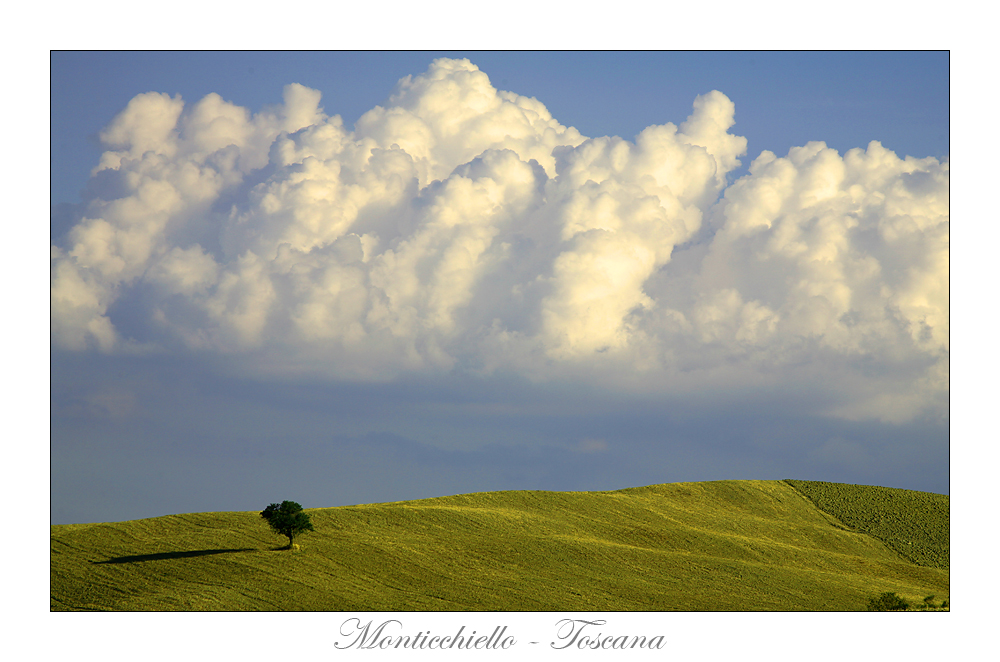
(725, 545)
(912, 524)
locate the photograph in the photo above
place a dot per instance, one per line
(539, 332)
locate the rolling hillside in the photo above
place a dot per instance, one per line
(725, 545)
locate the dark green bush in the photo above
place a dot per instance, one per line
(888, 602)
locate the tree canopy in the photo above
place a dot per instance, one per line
(287, 519)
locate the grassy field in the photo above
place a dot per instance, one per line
(721, 546)
(913, 524)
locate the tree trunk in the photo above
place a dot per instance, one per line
(289, 540)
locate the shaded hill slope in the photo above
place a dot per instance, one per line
(725, 545)
(915, 525)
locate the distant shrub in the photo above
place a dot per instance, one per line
(888, 602)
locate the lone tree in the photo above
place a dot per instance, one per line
(287, 519)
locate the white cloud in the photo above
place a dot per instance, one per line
(452, 113)
(185, 271)
(463, 226)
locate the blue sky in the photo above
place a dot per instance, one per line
(515, 303)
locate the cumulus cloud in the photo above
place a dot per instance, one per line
(463, 227)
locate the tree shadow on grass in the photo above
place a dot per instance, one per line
(173, 555)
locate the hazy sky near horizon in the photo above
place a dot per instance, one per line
(359, 277)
